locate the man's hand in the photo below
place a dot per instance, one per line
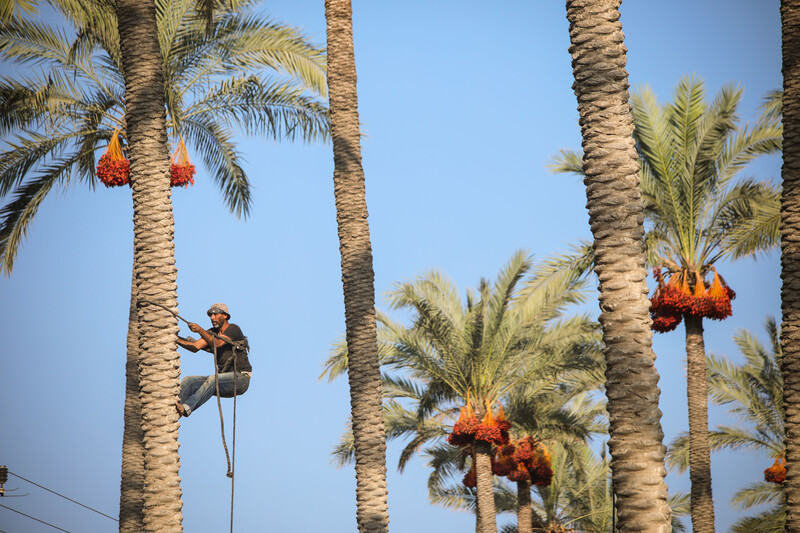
(194, 327)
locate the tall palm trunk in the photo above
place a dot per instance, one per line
(702, 503)
(486, 514)
(131, 493)
(616, 219)
(524, 511)
(153, 263)
(790, 256)
(357, 274)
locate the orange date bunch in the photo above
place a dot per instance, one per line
(777, 472)
(181, 169)
(524, 460)
(685, 294)
(492, 429)
(113, 169)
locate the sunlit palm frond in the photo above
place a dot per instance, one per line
(772, 106)
(32, 42)
(771, 521)
(759, 493)
(14, 8)
(726, 437)
(685, 115)
(566, 162)
(754, 226)
(275, 110)
(221, 156)
(748, 143)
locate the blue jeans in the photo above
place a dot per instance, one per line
(197, 390)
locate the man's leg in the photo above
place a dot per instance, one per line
(198, 390)
(202, 388)
(228, 386)
(189, 386)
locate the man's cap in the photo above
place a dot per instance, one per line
(218, 308)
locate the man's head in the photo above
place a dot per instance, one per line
(219, 314)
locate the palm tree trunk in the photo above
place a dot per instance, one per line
(702, 503)
(357, 274)
(154, 262)
(524, 511)
(790, 256)
(616, 219)
(131, 493)
(487, 522)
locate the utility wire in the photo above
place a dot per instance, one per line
(34, 518)
(66, 498)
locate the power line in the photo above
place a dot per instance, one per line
(34, 518)
(66, 498)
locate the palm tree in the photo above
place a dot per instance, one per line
(564, 429)
(476, 352)
(616, 219)
(754, 393)
(357, 274)
(579, 498)
(153, 262)
(790, 254)
(213, 82)
(690, 153)
(251, 74)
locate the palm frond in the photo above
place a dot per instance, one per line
(756, 494)
(220, 155)
(17, 215)
(566, 162)
(261, 107)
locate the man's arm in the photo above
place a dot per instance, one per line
(206, 338)
(192, 345)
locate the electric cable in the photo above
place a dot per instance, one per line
(34, 518)
(65, 497)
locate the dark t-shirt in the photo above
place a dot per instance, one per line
(225, 352)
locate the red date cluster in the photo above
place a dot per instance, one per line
(470, 479)
(113, 172)
(113, 169)
(675, 299)
(777, 472)
(468, 428)
(181, 175)
(527, 460)
(181, 171)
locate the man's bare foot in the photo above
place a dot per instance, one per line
(181, 409)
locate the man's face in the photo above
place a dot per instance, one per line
(217, 319)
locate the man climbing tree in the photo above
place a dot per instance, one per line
(233, 369)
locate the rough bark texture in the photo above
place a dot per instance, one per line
(357, 273)
(486, 515)
(154, 262)
(616, 219)
(699, 453)
(790, 255)
(131, 494)
(524, 511)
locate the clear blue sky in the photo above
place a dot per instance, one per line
(463, 103)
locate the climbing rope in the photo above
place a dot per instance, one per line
(236, 346)
(231, 463)
(219, 405)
